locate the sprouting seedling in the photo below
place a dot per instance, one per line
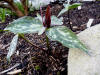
(68, 7)
(40, 25)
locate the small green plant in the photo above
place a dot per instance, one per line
(2, 15)
(67, 8)
(50, 25)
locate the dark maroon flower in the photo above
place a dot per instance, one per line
(47, 20)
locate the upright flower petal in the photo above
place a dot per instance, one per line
(47, 21)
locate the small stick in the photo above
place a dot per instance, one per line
(10, 68)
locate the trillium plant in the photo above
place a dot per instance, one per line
(49, 25)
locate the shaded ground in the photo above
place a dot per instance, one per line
(34, 61)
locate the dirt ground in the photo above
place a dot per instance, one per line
(34, 61)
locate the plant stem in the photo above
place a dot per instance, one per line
(3, 15)
(41, 14)
(47, 40)
(3, 30)
(69, 20)
(22, 36)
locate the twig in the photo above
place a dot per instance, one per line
(10, 68)
(15, 72)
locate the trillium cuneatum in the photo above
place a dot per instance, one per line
(45, 24)
(49, 20)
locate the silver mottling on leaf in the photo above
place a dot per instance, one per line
(66, 37)
(12, 47)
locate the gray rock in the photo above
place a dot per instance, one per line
(79, 63)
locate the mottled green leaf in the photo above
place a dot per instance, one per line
(42, 30)
(75, 5)
(68, 7)
(39, 17)
(12, 47)
(56, 21)
(66, 37)
(25, 25)
(62, 11)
